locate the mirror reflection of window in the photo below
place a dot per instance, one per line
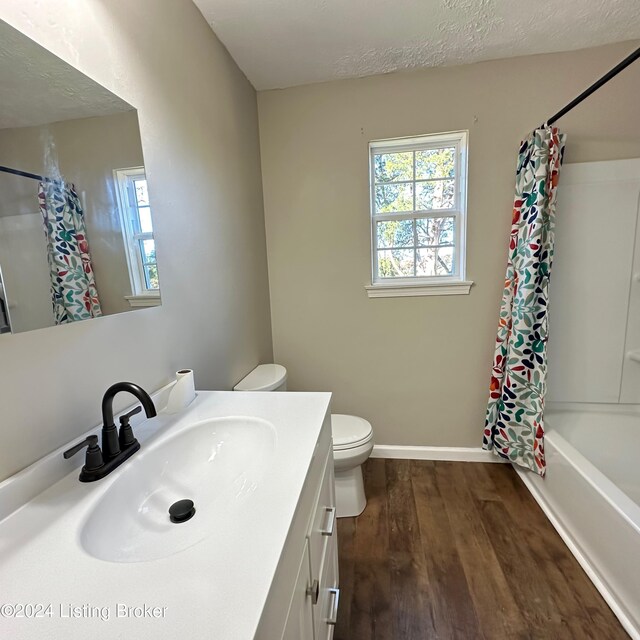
(137, 228)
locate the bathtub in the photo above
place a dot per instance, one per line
(591, 495)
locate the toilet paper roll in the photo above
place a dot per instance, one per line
(183, 391)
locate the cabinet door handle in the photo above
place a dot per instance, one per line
(333, 612)
(314, 591)
(331, 521)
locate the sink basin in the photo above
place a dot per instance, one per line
(219, 464)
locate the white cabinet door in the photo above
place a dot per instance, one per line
(325, 567)
(299, 625)
(326, 611)
(324, 520)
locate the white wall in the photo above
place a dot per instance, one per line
(198, 122)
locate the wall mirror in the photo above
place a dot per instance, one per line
(76, 231)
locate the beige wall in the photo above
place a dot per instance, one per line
(418, 368)
(198, 122)
(85, 152)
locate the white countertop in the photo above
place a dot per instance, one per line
(214, 591)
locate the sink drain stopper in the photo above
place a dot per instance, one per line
(181, 511)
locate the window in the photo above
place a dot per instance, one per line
(137, 227)
(418, 215)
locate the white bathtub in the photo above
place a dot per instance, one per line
(591, 494)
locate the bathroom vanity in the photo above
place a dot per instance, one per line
(304, 595)
(258, 560)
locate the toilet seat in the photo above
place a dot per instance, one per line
(349, 432)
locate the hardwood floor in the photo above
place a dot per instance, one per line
(453, 550)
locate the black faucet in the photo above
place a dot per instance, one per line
(116, 447)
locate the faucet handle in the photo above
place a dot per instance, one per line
(93, 459)
(89, 441)
(124, 420)
(126, 437)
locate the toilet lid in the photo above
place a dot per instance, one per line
(349, 431)
(265, 377)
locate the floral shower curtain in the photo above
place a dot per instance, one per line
(514, 426)
(73, 288)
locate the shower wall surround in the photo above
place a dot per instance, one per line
(199, 129)
(594, 344)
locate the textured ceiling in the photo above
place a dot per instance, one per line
(281, 43)
(38, 88)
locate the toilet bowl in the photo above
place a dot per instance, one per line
(352, 441)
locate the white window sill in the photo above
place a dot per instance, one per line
(459, 288)
(148, 300)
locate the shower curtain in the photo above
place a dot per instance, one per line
(514, 427)
(73, 288)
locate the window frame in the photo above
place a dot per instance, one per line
(124, 180)
(422, 285)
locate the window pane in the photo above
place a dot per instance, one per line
(435, 231)
(148, 250)
(424, 231)
(394, 197)
(435, 163)
(435, 194)
(444, 230)
(393, 166)
(135, 221)
(395, 263)
(151, 276)
(444, 261)
(395, 233)
(426, 261)
(146, 226)
(142, 197)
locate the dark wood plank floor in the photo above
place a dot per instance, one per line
(454, 550)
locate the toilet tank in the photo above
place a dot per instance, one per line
(265, 377)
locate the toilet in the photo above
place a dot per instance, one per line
(352, 441)
(352, 445)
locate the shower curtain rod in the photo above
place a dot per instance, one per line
(26, 174)
(595, 86)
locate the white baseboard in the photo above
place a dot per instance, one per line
(452, 454)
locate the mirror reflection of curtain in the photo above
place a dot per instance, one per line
(73, 288)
